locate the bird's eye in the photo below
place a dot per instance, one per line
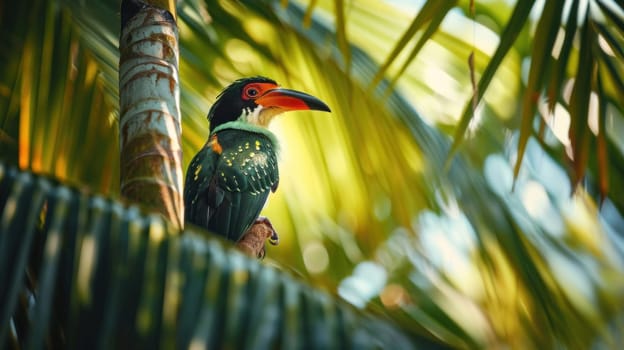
(251, 92)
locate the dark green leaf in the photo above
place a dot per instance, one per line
(561, 62)
(579, 102)
(540, 71)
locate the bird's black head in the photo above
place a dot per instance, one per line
(257, 100)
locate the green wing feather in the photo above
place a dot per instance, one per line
(227, 186)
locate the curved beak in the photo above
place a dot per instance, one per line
(291, 100)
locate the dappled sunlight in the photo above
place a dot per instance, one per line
(469, 31)
(544, 169)
(65, 112)
(239, 52)
(366, 282)
(506, 301)
(86, 267)
(466, 311)
(579, 283)
(352, 189)
(261, 31)
(448, 244)
(538, 205)
(315, 257)
(558, 122)
(579, 258)
(394, 296)
(581, 218)
(502, 95)
(498, 174)
(615, 127)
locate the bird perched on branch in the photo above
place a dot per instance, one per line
(228, 181)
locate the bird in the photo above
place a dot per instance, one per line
(229, 180)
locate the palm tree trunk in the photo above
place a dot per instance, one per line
(150, 123)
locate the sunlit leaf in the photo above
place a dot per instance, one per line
(540, 71)
(610, 39)
(432, 27)
(579, 103)
(507, 38)
(341, 33)
(561, 60)
(612, 74)
(603, 157)
(433, 11)
(612, 12)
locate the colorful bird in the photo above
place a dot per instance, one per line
(228, 181)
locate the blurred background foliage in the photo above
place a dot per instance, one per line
(401, 200)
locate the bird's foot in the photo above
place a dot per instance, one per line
(254, 240)
(274, 238)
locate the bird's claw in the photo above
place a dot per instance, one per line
(261, 253)
(274, 238)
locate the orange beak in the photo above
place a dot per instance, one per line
(291, 100)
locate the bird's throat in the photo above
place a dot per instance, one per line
(260, 116)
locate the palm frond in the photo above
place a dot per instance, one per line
(111, 276)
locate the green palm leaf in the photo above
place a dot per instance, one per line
(112, 277)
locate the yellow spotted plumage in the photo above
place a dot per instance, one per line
(240, 177)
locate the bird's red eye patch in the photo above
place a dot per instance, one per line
(255, 90)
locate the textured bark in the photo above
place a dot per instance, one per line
(150, 123)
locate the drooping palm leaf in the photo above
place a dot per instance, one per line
(508, 37)
(56, 111)
(548, 76)
(110, 276)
